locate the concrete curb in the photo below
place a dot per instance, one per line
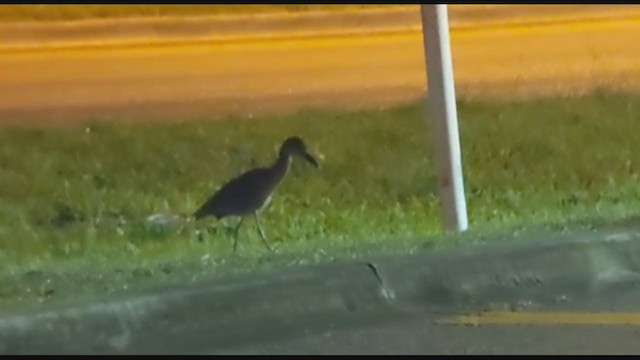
(148, 321)
(270, 27)
(537, 273)
(242, 310)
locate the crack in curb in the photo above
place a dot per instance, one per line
(387, 293)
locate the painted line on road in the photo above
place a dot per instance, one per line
(118, 44)
(549, 22)
(544, 318)
(343, 33)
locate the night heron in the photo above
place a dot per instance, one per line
(250, 192)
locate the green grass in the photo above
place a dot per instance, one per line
(74, 200)
(86, 12)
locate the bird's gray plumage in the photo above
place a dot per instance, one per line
(240, 196)
(250, 192)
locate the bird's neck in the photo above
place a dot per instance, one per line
(281, 166)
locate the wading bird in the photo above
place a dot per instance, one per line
(250, 192)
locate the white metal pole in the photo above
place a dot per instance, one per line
(435, 30)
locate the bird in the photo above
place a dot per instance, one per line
(250, 192)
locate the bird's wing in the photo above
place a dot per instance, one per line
(240, 195)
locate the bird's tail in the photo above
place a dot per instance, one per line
(199, 214)
(207, 209)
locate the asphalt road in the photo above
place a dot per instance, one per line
(607, 324)
(181, 82)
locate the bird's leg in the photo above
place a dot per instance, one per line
(260, 231)
(235, 234)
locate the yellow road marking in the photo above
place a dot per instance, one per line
(151, 82)
(545, 24)
(545, 318)
(346, 35)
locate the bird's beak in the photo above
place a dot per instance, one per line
(310, 159)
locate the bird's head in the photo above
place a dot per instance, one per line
(295, 146)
